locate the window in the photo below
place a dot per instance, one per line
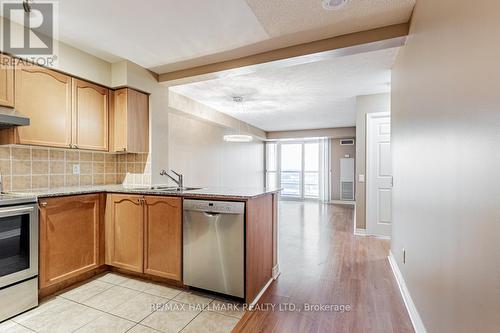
(295, 166)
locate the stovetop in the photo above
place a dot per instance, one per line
(14, 199)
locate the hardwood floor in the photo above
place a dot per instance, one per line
(322, 262)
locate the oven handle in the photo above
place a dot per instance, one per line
(15, 211)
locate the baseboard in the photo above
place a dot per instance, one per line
(360, 232)
(259, 295)
(276, 271)
(416, 321)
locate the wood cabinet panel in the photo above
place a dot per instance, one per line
(90, 115)
(259, 245)
(6, 82)
(45, 97)
(131, 121)
(163, 237)
(70, 244)
(125, 231)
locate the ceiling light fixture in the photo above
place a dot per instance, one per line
(238, 137)
(333, 4)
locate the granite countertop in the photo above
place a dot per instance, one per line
(234, 193)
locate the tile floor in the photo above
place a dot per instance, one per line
(115, 303)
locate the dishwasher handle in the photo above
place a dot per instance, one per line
(211, 214)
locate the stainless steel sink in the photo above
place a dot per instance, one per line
(174, 188)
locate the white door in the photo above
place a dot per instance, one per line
(379, 174)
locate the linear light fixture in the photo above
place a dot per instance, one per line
(238, 138)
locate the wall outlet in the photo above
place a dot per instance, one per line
(76, 169)
(361, 178)
(404, 256)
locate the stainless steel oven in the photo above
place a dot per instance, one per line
(18, 255)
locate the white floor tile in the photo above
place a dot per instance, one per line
(142, 329)
(107, 323)
(172, 319)
(138, 285)
(138, 307)
(194, 298)
(113, 278)
(162, 291)
(111, 298)
(11, 327)
(211, 322)
(86, 291)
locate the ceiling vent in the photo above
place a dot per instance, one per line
(347, 142)
(333, 4)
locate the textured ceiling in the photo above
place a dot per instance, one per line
(166, 35)
(315, 95)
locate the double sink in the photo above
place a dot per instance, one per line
(165, 188)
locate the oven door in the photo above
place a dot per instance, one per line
(18, 243)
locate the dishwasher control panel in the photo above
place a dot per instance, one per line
(214, 206)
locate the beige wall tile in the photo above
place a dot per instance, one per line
(57, 167)
(98, 167)
(72, 155)
(85, 156)
(120, 178)
(110, 167)
(4, 152)
(86, 168)
(72, 180)
(110, 158)
(110, 179)
(132, 157)
(7, 183)
(21, 183)
(122, 157)
(121, 168)
(56, 181)
(98, 157)
(40, 181)
(5, 167)
(21, 153)
(57, 155)
(40, 167)
(21, 167)
(85, 180)
(40, 154)
(98, 179)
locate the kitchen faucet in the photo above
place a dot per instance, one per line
(178, 181)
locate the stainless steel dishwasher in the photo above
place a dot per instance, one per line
(213, 244)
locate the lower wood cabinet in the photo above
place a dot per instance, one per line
(144, 234)
(163, 237)
(125, 231)
(70, 237)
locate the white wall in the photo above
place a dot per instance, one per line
(364, 105)
(197, 150)
(446, 158)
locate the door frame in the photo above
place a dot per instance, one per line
(369, 165)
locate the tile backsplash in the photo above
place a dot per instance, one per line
(35, 168)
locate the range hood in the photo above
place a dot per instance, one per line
(10, 118)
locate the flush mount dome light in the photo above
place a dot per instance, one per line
(333, 4)
(238, 138)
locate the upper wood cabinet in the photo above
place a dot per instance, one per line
(44, 96)
(125, 231)
(163, 237)
(70, 237)
(90, 116)
(6, 82)
(131, 121)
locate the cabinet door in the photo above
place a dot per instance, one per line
(163, 241)
(131, 121)
(69, 237)
(6, 82)
(45, 97)
(90, 115)
(125, 231)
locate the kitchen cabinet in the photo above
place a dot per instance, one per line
(144, 234)
(90, 116)
(125, 231)
(163, 237)
(44, 96)
(70, 237)
(130, 121)
(6, 82)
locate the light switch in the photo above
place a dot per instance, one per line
(361, 178)
(76, 169)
